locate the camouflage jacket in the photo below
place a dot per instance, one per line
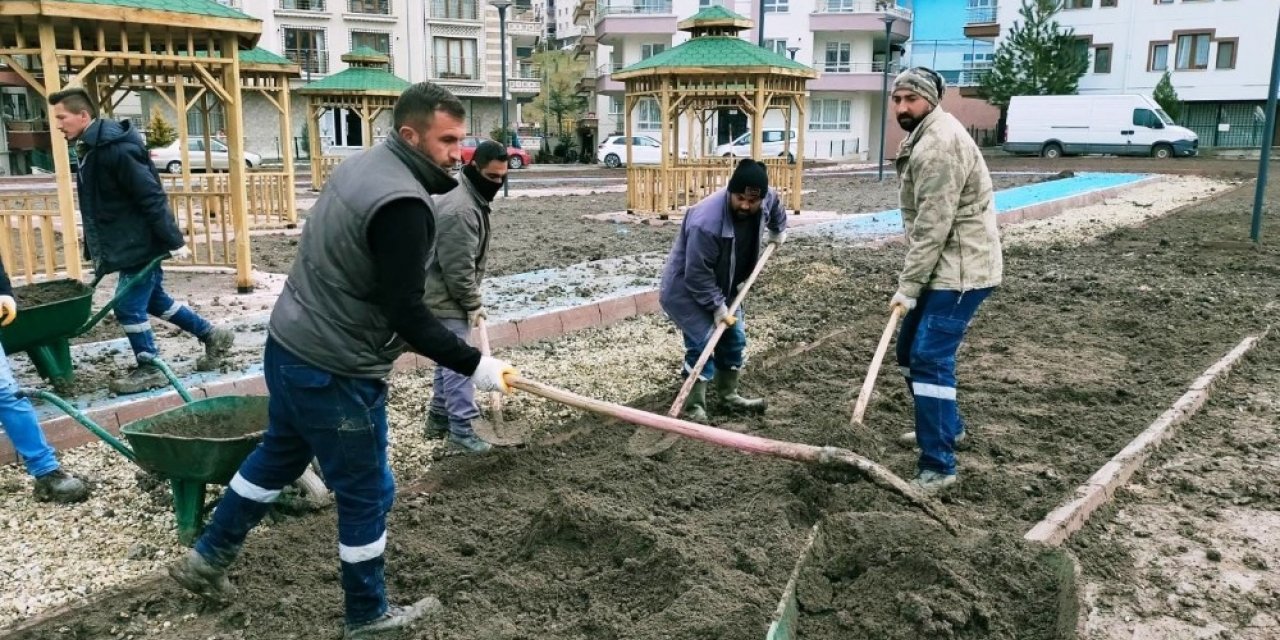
(948, 209)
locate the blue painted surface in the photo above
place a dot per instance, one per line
(889, 222)
(938, 19)
(938, 41)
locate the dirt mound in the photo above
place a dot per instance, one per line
(887, 576)
(34, 295)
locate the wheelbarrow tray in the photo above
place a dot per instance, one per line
(41, 324)
(203, 441)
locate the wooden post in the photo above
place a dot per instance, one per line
(313, 141)
(235, 162)
(184, 135)
(664, 98)
(628, 102)
(366, 122)
(801, 125)
(61, 156)
(757, 121)
(286, 149)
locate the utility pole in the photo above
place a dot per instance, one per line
(1268, 136)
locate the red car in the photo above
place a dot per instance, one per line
(516, 158)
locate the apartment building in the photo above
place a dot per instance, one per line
(1218, 54)
(844, 40)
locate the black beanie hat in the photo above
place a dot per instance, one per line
(750, 178)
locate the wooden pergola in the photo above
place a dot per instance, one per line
(107, 45)
(366, 86)
(713, 70)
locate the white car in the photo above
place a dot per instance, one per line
(773, 144)
(612, 152)
(169, 159)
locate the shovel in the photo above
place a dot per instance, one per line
(864, 396)
(831, 457)
(496, 431)
(649, 443)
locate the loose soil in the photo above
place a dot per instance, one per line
(213, 426)
(34, 295)
(1080, 349)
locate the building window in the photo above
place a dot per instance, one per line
(454, 9)
(1081, 48)
(837, 60)
(648, 114)
(1077, 4)
(615, 106)
(1107, 3)
(830, 115)
(380, 42)
(1226, 54)
(1159, 57)
(306, 47)
(1193, 51)
(651, 50)
(1163, 1)
(776, 45)
(455, 59)
(380, 7)
(776, 6)
(1102, 59)
(302, 5)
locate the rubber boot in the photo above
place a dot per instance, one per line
(216, 346)
(695, 406)
(727, 391)
(202, 578)
(437, 426)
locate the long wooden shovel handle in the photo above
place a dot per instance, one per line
(743, 442)
(864, 397)
(495, 397)
(719, 331)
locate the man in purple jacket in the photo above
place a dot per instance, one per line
(716, 250)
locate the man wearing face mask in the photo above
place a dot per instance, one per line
(953, 263)
(715, 251)
(453, 287)
(352, 304)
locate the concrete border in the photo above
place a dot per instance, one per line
(1101, 487)
(64, 433)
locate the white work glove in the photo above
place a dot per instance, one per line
(901, 300)
(476, 315)
(722, 315)
(778, 237)
(8, 310)
(491, 375)
(182, 253)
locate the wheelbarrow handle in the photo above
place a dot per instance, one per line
(154, 360)
(84, 420)
(125, 285)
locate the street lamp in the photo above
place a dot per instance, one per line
(502, 39)
(792, 51)
(884, 91)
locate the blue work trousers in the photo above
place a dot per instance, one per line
(148, 297)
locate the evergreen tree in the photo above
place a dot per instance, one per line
(1039, 58)
(558, 99)
(161, 133)
(1167, 97)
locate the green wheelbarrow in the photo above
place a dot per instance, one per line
(200, 443)
(44, 330)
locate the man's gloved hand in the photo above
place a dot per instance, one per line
(8, 310)
(491, 375)
(778, 237)
(474, 316)
(901, 300)
(182, 253)
(722, 315)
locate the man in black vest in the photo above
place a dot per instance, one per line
(352, 301)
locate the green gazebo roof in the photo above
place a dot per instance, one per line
(208, 8)
(362, 80)
(260, 56)
(716, 47)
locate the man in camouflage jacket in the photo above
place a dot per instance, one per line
(953, 263)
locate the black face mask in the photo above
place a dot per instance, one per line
(487, 188)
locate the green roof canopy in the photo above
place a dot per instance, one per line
(209, 8)
(715, 46)
(367, 75)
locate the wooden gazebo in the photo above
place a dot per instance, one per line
(366, 86)
(715, 69)
(105, 45)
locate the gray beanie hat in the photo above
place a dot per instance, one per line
(922, 81)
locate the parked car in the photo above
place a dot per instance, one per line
(775, 143)
(169, 158)
(1124, 125)
(517, 158)
(612, 152)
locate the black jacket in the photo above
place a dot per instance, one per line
(127, 222)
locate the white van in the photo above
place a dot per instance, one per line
(773, 144)
(1123, 125)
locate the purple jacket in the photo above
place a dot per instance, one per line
(698, 276)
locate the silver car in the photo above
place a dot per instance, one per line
(169, 159)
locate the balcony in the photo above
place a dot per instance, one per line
(585, 46)
(24, 135)
(970, 76)
(524, 79)
(856, 76)
(369, 7)
(301, 6)
(586, 85)
(310, 60)
(583, 10)
(859, 15)
(455, 10)
(604, 79)
(524, 22)
(619, 18)
(456, 70)
(981, 22)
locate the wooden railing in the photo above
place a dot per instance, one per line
(653, 190)
(31, 237)
(326, 166)
(268, 195)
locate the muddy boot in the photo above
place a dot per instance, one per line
(59, 486)
(908, 440)
(695, 406)
(216, 346)
(396, 618)
(468, 444)
(143, 378)
(437, 427)
(932, 482)
(196, 575)
(727, 391)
